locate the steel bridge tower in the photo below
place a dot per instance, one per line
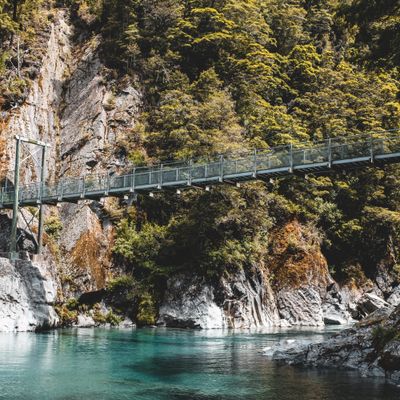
(39, 148)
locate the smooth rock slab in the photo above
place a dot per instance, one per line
(27, 293)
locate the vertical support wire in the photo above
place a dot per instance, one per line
(221, 168)
(190, 177)
(133, 180)
(330, 152)
(371, 148)
(255, 161)
(291, 157)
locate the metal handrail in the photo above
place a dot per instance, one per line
(284, 158)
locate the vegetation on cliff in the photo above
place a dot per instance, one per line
(227, 75)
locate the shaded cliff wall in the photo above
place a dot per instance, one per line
(73, 106)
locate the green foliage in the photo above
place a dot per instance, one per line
(147, 311)
(140, 247)
(109, 318)
(229, 75)
(67, 317)
(72, 304)
(19, 21)
(375, 27)
(194, 122)
(121, 283)
(112, 319)
(210, 234)
(53, 226)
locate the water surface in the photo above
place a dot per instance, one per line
(158, 364)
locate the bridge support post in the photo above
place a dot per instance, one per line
(23, 143)
(14, 225)
(41, 206)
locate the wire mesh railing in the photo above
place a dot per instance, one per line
(341, 150)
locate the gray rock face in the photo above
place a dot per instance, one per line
(369, 303)
(244, 301)
(27, 293)
(37, 118)
(301, 307)
(85, 321)
(372, 347)
(338, 305)
(394, 298)
(247, 301)
(126, 324)
(190, 303)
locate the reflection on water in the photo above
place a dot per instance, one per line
(158, 364)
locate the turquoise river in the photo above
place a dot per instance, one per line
(160, 364)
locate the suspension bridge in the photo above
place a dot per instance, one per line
(374, 149)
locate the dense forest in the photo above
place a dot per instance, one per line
(229, 75)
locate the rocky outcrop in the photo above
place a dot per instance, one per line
(372, 347)
(296, 289)
(245, 300)
(301, 307)
(370, 302)
(190, 303)
(27, 294)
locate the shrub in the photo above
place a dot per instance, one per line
(147, 310)
(67, 317)
(112, 318)
(72, 304)
(121, 283)
(53, 227)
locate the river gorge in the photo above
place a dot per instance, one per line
(285, 286)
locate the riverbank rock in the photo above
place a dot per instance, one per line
(85, 321)
(27, 293)
(190, 303)
(127, 323)
(246, 300)
(371, 347)
(369, 303)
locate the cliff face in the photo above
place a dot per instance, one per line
(68, 107)
(78, 106)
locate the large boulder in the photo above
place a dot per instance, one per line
(244, 300)
(369, 303)
(190, 303)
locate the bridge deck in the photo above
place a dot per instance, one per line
(261, 164)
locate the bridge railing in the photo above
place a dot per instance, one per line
(282, 158)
